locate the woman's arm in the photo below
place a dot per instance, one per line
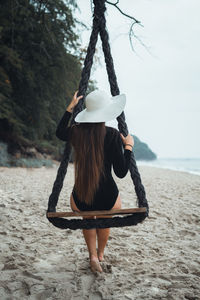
(74, 102)
(62, 131)
(121, 157)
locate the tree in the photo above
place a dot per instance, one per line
(40, 67)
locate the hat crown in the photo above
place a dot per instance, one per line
(96, 100)
(101, 108)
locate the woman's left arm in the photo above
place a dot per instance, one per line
(121, 158)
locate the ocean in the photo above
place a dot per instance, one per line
(190, 165)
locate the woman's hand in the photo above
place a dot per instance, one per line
(128, 141)
(74, 102)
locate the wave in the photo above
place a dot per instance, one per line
(189, 165)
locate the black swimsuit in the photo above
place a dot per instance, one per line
(114, 155)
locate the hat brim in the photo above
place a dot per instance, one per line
(108, 113)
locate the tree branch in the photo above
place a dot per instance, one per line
(131, 32)
(135, 21)
(128, 16)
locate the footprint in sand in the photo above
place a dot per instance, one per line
(186, 232)
(30, 275)
(10, 266)
(107, 268)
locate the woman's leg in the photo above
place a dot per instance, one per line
(90, 236)
(102, 238)
(90, 239)
(103, 234)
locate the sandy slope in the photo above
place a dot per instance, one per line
(158, 259)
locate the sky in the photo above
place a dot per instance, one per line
(161, 80)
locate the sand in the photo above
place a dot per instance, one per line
(158, 259)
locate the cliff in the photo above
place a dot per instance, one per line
(142, 151)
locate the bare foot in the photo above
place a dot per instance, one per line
(95, 265)
(100, 256)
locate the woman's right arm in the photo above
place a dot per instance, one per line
(62, 131)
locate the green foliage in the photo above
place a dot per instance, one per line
(40, 67)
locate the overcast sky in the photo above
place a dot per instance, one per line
(163, 87)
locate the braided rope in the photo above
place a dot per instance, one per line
(85, 75)
(99, 25)
(135, 175)
(74, 224)
(58, 184)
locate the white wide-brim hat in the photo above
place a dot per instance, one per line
(101, 108)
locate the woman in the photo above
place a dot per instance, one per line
(97, 149)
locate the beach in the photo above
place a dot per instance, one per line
(157, 259)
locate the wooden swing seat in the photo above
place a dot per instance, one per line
(112, 212)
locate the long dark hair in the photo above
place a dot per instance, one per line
(88, 142)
